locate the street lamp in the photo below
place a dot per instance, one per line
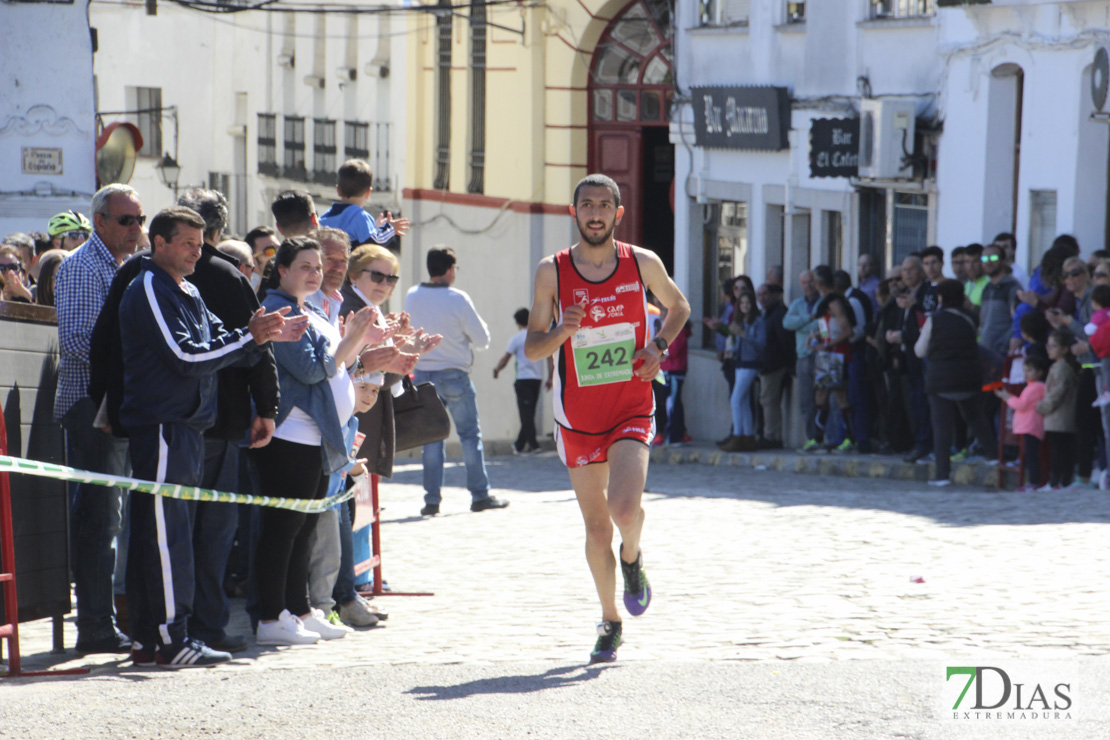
(169, 171)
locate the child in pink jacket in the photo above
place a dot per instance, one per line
(1027, 422)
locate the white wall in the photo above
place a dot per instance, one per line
(46, 101)
(228, 57)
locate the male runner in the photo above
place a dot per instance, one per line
(604, 406)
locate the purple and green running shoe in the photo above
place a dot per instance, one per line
(608, 640)
(637, 590)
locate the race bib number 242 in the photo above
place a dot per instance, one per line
(603, 354)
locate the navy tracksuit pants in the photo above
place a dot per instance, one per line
(160, 574)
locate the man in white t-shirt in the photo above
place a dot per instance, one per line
(529, 376)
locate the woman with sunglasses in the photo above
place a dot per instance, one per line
(12, 277)
(317, 400)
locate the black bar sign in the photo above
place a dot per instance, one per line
(834, 147)
(742, 117)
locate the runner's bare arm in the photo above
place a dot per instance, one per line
(540, 342)
(659, 282)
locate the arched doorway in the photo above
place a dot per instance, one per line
(631, 89)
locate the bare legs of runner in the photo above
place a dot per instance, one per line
(609, 493)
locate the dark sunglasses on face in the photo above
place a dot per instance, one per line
(82, 235)
(377, 277)
(14, 267)
(129, 220)
(1099, 274)
(1075, 273)
(990, 258)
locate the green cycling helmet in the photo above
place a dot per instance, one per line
(68, 221)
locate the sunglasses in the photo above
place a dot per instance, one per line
(1099, 274)
(269, 251)
(377, 277)
(14, 267)
(129, 220)
(1075, 273)
(990, 258)
(83, 235)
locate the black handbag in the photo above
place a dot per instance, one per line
(419, 417)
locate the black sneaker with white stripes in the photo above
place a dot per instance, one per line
(190, 654)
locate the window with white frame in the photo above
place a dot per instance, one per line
(267, 144)
(294, 167)
(323, 151)
(886, 9)
(795, 12)
(724, 12)
(148, 102)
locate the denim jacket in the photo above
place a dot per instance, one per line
(303, 371)
(748, 350)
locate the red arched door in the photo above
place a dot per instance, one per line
(631, 90)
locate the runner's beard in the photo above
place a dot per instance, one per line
(600, 239)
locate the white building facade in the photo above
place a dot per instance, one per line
(812, 133)
(252, 103)
(47, 115)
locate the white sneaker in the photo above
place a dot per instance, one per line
(358, 613)
(317, 622)
(940, 482)
(287, 630)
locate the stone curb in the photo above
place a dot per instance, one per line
(843, 466)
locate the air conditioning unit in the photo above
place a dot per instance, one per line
(886, 131)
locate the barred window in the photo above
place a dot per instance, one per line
(149, 103)
(294, 167)
(267, 144)
(884, 9)
(443, 96)
(323, 151)
(477, 97)
(356, 140)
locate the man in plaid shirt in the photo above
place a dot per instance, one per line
(81, 286)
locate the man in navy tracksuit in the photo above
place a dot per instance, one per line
(172, 348)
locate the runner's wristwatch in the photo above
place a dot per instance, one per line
(662, 344)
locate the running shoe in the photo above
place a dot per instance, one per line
(189, 654)
(962, 455)
(844, 447)
(811, 445)
(608, 640)
(637, 590)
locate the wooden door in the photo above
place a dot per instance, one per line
(618, 153)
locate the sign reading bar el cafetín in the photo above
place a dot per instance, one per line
(834, 147)
(742, 117)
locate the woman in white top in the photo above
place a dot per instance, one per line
(317, 400)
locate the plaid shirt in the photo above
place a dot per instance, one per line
(81, 286)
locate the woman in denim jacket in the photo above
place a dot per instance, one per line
(317, 400)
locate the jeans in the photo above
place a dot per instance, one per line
(527, 397)
(95, 520)
(772, 385)
(214, 526)
(919, 411)
(324, 559)
(859, 395)
(945, 412)
(807, 406)
(676, 413)
(458, 395)
(743, 421)
(344, 591)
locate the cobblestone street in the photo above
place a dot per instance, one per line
(747, 566)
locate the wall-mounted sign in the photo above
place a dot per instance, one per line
(39, 160)
(834, 147)
(742, 117)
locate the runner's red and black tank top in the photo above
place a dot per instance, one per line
(595, 389)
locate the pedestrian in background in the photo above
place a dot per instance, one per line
(1058, 410)
(529, 378)
(1027, 421)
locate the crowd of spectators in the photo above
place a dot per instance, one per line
(263, 365)
(916, 361)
